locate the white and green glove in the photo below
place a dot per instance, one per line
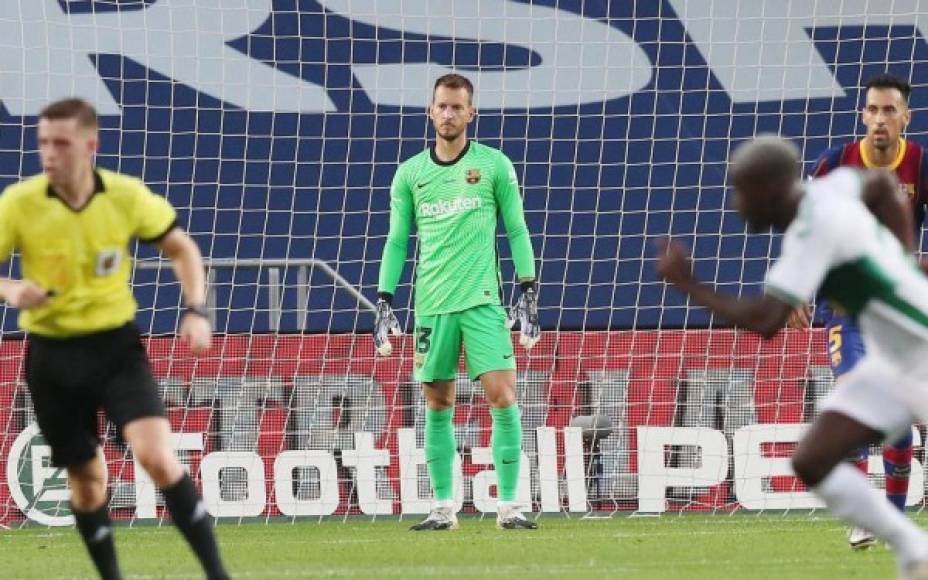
(525, 312)
(385, 324)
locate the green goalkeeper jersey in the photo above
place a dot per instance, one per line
(454, 206)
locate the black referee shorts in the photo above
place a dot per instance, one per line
(71, 379)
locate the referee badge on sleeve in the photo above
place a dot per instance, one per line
(108, 261)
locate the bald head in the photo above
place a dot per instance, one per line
(764, 173)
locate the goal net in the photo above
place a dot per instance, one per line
(275, 129)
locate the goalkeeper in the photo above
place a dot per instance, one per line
(453, 193)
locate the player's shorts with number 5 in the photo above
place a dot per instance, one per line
(845, 344)
(481, 330)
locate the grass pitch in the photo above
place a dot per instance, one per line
(678, 547)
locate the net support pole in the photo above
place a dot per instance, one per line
(302, 297)
(273, 298)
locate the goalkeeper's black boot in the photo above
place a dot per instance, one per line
(440, 518)
(509, 518)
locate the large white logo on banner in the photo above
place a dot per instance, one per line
(582, 60)
(39, 490)
(41, 493)
(47, 54)
(762, 51)
(758, 50)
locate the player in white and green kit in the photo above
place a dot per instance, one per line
(849, 237)
(453, 193)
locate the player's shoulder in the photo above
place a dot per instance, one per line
(407, 170)
(915, 156)
(121, 183)
(31, 187)
(24, 193)
(479, 148)
(486, 151)
(843, 184)
(831, 158)
(494, 160)
(913, 147)
(834, 201)
(416, 160)
(914, 151)
(921, 156)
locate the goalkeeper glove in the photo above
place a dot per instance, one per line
(525, 312)
(385, 324)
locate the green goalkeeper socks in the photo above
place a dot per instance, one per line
(439, 451)
(506, 442)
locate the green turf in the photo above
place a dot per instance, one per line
(711, 547)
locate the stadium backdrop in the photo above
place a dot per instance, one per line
(620, 137)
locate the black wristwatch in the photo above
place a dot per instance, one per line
(198, 309)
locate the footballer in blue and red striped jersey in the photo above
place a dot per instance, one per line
(885, 115)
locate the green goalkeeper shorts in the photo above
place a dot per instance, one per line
(482, 329)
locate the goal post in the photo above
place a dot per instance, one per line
(275, 129)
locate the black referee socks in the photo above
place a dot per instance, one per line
(194, 523)
(97, 531)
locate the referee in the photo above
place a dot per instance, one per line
(72, 225)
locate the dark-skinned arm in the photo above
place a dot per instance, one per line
(765, 315)
(889, 205)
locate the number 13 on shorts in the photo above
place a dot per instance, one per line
(423, 343)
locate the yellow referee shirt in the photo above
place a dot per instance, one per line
(82, 255)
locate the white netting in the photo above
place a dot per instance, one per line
(275, 128)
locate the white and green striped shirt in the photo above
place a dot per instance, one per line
(836, 246)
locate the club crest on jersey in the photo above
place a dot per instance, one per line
(108, 261)
(908, 189)
(472, 176)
